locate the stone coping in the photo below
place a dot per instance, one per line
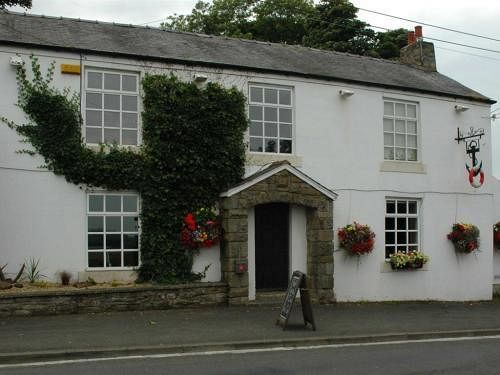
(109, 290)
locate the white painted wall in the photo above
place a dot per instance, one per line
(208, 257)
(338, 142)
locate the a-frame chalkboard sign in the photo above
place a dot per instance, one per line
(298, 281)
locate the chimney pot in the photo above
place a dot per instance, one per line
(418, 32)
(411, 37)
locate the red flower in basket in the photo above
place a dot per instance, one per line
(201, 229)
(356, 238)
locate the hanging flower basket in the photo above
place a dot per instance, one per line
(356, 238)
(496, 236)
(408, 261)
(201, 229)
(465, 237)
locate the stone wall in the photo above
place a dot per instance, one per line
(282, 187)
(75, 301)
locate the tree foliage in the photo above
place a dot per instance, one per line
(192, 150)
(336, 27)
(329, 24)
(8, 3)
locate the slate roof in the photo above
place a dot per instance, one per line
(202, 50)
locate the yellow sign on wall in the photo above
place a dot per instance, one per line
(70, 69)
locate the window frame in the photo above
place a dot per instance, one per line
(121, 111)
(394, 117)
(263, 104)
(409, 246)
(105, 213)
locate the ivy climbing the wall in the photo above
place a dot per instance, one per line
(192, 150)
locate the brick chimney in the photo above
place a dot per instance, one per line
(418, 53)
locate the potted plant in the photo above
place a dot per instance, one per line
(356, 238)
(408, 260)
(465, 237)
(496, 235)
(200, 229)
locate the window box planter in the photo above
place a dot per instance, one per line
(411, 260)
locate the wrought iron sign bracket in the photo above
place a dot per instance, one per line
(471, 141)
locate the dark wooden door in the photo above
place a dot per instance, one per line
(271, 246)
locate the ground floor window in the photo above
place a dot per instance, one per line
(112, 230)
(401, 225)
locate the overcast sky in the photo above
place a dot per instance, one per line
(477, 69)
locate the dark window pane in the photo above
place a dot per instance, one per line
(129, 83)
(113, 224)
(286, 115)
(402, 238)
(93, 135)
(412, 248)
(270, 145)
(402, 248)
(112, 119)
(129, 137)
(412, 223)
(256, 94)
(255, 113)
(113, 203)
(94, 80)
(390, 207)
(389, 250)
(285, 146)
(401, 207)
(270, 129)
(93, 100)
(114, 259)
(130, 224)
(93, 118)
(95, 242)
(129, 102)
(389, 223)
(271, 96)
(389, 238)
(96, 203)
(129, 203)
(129, 120)
(111, 136)
(111, 81)
(256, 144)
(412, 237)
(285, 97)
(113, 241)
(412, 207)
(285, 131)
(96, 259)
(270, 114)
(130, 241)
(95, 224)
(112, 101)
(256, 128)
(130, 258)
(401, 223)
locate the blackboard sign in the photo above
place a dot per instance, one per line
(298, 281)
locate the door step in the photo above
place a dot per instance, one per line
(269, 298)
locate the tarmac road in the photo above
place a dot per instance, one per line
(455, 356)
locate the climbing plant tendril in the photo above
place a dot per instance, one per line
(192, 149)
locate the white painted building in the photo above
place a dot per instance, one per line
(379, 134)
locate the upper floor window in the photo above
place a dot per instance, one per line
(271, 119)
(400, 131)
(111, 107)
